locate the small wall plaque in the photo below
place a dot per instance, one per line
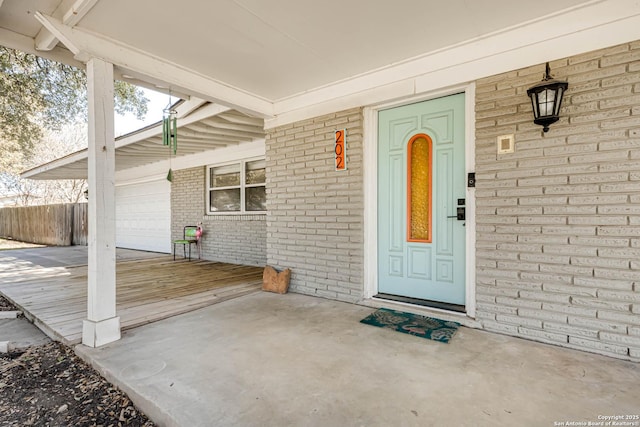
(505, 144)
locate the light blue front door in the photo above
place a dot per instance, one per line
(421, 185)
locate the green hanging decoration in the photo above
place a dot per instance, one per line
(170, 134)
(170, 131)
(165, 135)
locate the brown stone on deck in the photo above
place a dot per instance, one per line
(272, 281)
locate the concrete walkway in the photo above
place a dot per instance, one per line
(58, 256)
(294, 360)
(18, 334)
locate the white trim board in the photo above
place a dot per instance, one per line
(470, 203)
(370, 155)
(225, 154)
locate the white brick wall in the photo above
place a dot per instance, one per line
(237, 239)
(558, 236)
(314, 224)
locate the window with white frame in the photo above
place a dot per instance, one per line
(237, 187)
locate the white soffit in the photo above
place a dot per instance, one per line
(287, 60)
(275, 49)
(280, 48)
(210, 128)
(598, 25)
(17, 15)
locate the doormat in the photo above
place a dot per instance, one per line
(412, 324)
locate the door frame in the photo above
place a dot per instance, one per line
(370, 154)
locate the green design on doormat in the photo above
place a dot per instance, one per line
(412, 324)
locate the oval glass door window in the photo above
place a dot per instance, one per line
(419, 192)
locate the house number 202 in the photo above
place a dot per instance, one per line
(341, 150)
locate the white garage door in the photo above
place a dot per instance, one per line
(143, 216)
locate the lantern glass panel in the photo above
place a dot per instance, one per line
(560, 92)
(546, 99)
(534, 104)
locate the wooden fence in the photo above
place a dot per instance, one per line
(80, 224)
(58, 225)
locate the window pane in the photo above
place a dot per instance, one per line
(256, 172)
(420, 189)
(225, 200)
(255, 199)
(225, 176)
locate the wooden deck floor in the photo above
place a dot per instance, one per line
(148, 290)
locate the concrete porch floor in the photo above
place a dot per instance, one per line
(294, 360)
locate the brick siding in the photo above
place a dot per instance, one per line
(236, 239)
(558, 221)
(315, 219)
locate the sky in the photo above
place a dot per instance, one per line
(157, 102)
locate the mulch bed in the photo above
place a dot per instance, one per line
(49, 385)
(5, 305)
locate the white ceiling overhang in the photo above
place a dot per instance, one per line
(286, 60)
(209, 127)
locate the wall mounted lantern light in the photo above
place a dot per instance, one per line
(546, 99)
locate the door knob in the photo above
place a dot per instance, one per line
(460, 214)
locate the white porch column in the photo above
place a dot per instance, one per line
(102, 325)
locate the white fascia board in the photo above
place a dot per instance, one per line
(143, 174)
(138, 136)
(538, 52)
(189, 106)
(375, 95)
(17, 41)
(85, 45)
(594, 25)
(210, 110)
(230, 153)
(137, 79)
(58, 163)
